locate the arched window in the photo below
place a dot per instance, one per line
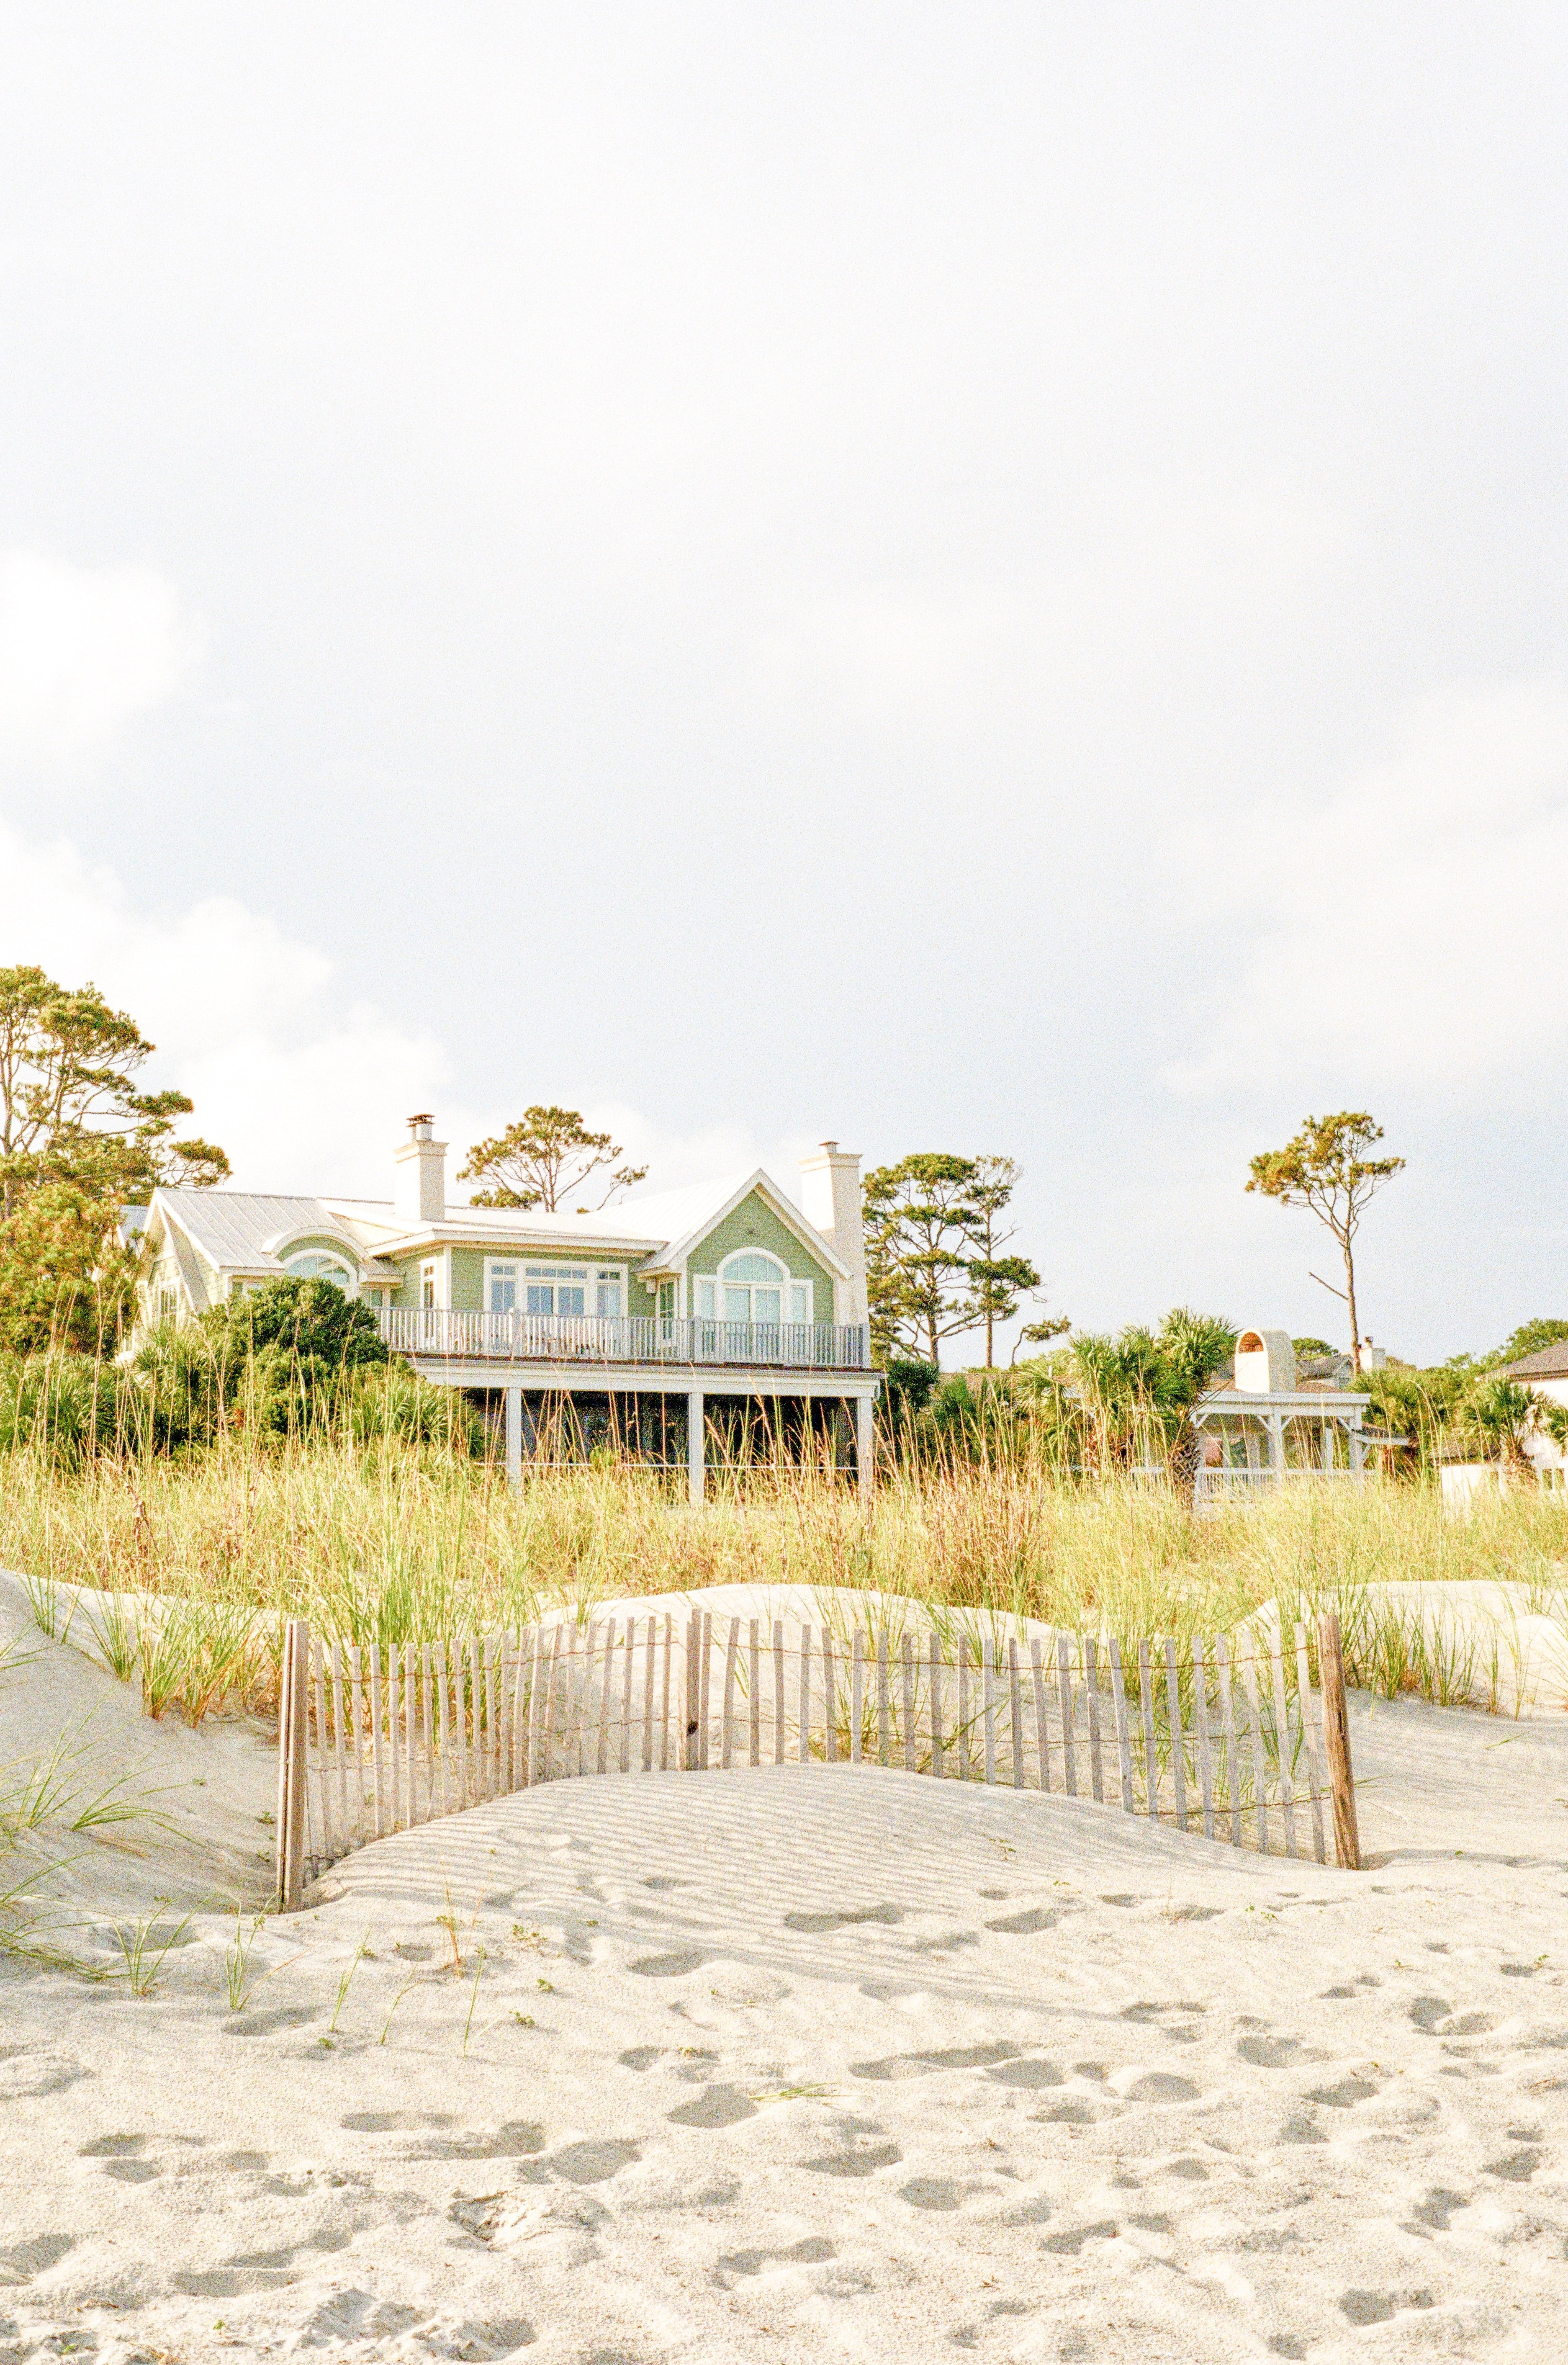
(312, 1265)
(752, 1287)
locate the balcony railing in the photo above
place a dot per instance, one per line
(1240, 1486)
(623, 1339)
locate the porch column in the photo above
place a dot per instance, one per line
(1326, 1454)
(1277, 1445)
(514, 1436)
(865, 1445)
(1358, 1446)
(696, 1443)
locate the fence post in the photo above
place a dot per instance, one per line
(1337, 1741)
(292, 1741)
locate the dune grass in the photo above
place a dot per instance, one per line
(387, 1541)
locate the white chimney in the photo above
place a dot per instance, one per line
(419, 1194)
(830, 1201)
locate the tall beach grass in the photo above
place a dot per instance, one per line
(385, 1540)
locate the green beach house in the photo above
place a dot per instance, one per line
(676, 1323)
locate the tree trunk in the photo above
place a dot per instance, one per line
(990, 1335)
(1186, 1457)
(1350, 1302)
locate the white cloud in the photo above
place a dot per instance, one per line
(82, 650)
(304, 1093)
(1409, 928)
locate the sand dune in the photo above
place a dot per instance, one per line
(800, 2063)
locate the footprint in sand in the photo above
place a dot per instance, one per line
(670, 1967)
(593, 2162)
(932, 2192)
(821, 1925)
(716, 2106)
(895, 2066)
(738, 2265)
(1361, 2307)
(22, 2260)
(23, 2072)
(1029, 2075)
(1026, 1925)
(1438, 2207)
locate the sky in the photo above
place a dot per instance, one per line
(982, 578)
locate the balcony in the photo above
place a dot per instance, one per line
(624, 1338)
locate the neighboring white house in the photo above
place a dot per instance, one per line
(655, 1314)
(1547, 1373)
(1262, 1429)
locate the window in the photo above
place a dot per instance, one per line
(168, 1304)
(502, 1291)
(557, 1288)
(755, 1288)
(427, 1283)
(314, 1266)
(666, 1300)
(609, 1295)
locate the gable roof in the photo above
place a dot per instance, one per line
(242, 1231)
(1546, 1363)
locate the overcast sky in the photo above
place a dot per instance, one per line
(985, 577)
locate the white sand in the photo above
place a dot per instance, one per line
(821, 2063)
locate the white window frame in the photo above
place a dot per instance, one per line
(511, 1267)
(604, 1275)
(338, 1257)
(569, 1271)
(797, 1294)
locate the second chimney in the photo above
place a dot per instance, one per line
(419, 1193)
(829, 1200)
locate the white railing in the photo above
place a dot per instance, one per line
(1240, 1486)
(623, 1339)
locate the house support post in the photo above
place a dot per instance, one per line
(1277, 1447)
(1326, 1454)
(696, 1443)
(514, 1436)
(1358, 1449)
(865, 1446)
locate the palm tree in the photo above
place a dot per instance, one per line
(1194, 1346)
(1505, 1413)
(1142, 1387)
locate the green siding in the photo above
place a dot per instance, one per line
(468, 1274)
(754, 1224)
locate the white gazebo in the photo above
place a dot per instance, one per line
(1263, 1431)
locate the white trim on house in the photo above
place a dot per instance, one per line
(677, 1253)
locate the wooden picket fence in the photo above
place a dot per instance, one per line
(1218, 1735)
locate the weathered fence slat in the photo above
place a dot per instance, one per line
(1232, 1755)
(779, 1691)
(988, 1679)
(1042, 1740)
(1150, 1749)
(1178, 1738)
(1309, 1739)
(937, 1733)
(1282, 1745)
(805, 1735)
(1064, 1692)
(1119, 1708)
(911, 1751)
(884, 1736)
(1336, 1741)
(1201, 1731)
(856, 1694)
(1255, 1735)
(1092, 1694)
(754, 1694)
(1014, 1709)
